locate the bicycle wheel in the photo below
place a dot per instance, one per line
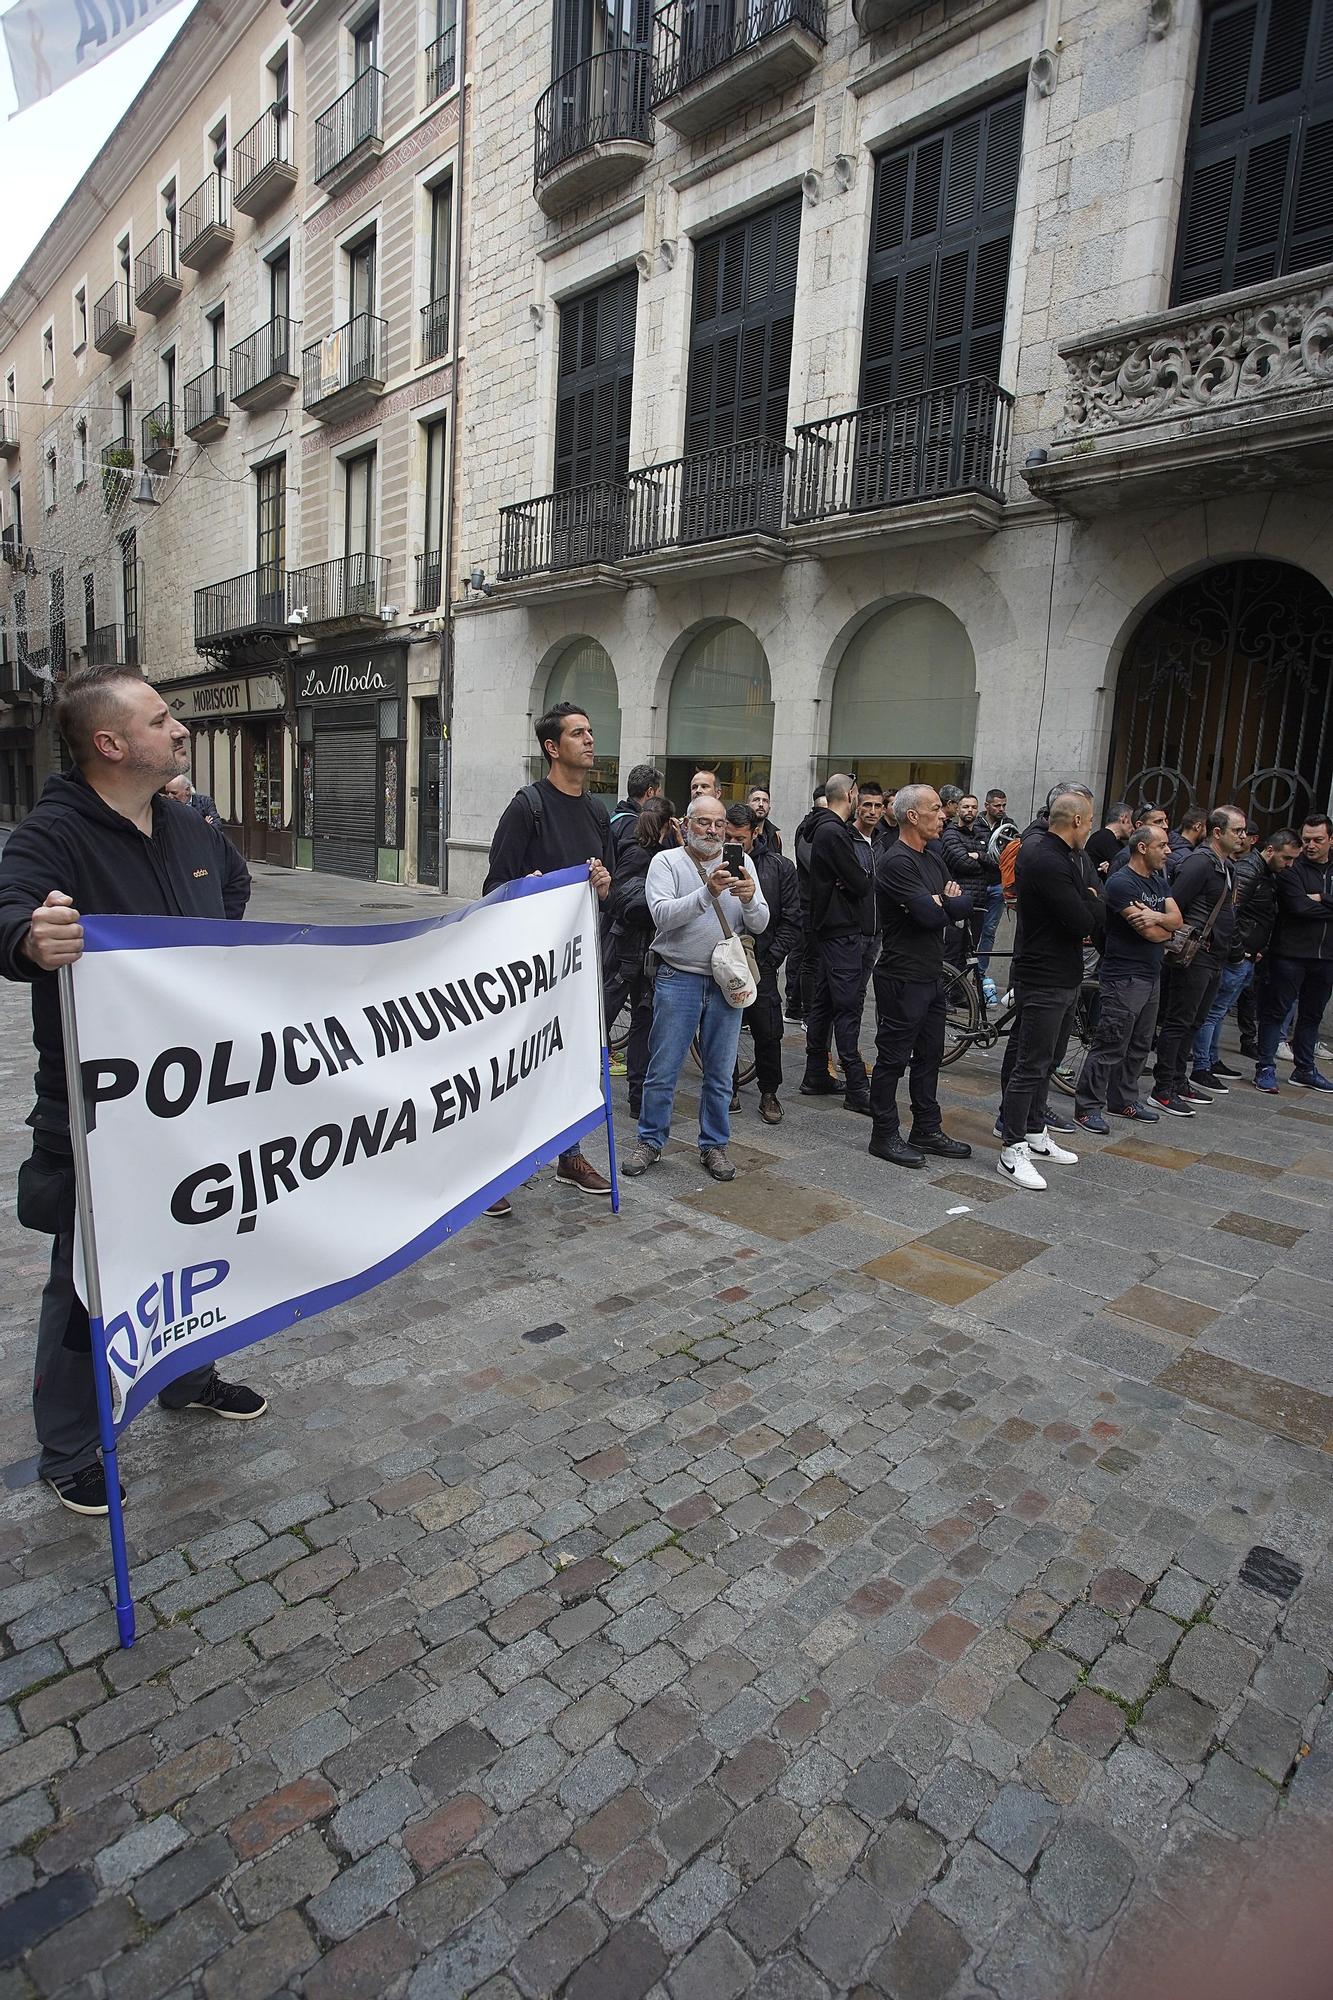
(745, 1062)
(962, 1016)
(617, 1031)
(1081, 1037)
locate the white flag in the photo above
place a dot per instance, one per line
(50, 42)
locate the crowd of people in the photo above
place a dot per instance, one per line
(891, 893)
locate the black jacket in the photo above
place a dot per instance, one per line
(777, 879)
(626, 919)
(1304, 929)
(1055, 913)
(1196, 886)
(74, 842)
(1087, 868)
(913, 923)
(965, 856)
(842, 896)
(767, 840)
(801, 851)
(1256, 907)
(624, 821)
(1179, 852)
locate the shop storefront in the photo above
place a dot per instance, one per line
(351, 722)
(244, 757)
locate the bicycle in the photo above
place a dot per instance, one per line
(967, 1021)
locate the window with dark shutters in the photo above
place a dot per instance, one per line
(1258, 194)
(740, 342)
(939, 255)
(595, 384)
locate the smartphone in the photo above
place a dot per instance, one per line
(734, 856)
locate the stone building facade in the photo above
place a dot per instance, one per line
(1044, 486)
(150, 333)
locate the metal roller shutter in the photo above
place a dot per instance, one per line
(345, 794)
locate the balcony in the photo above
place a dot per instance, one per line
(242, 607)
(716, 511)
(117, 471)
(348, 592)
(157, 281)
(204, 228)
(11, 548)
(204, 398)
(112, 646)
(921, 467)
(344, 372)
(263, 368)
(9, 430)
(435, 330)
(710, 60)
(440, 66)
(113, 328)
(1228, 396)
(430, 581)
(351, 132)
(594, 129)
(159, 438)
(573, 529)
(264, 162)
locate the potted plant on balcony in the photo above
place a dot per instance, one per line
(117, 461)
(161, 443)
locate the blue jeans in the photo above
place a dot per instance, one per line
(1207, 1043)
(686, 1004)
(990, 923)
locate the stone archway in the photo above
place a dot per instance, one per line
(583, 671)
(904, 703)
(720, 713)
(1225, 696)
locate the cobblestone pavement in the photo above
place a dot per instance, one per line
(836, 1583)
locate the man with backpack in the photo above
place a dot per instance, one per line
(551, 825)
(643, 783)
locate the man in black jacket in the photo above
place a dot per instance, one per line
(1256, 875)
(1186, 840)
(917, 899)
(1202, 887)
(643, 783)
(1300, 970)
(964, 849)
(101, 841)
(766, 832)
(801, 963)
(763, 1017)
(1110, 837)
(842, 918)
(1057, 910)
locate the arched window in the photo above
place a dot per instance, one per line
(584, 673)
(721, 712)
(905, 699)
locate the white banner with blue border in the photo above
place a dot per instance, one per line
(282, 1116)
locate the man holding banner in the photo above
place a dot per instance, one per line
(101, 840)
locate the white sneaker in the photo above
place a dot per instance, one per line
(1043, 1147)
(1322, 1053)
(1016, 1165)
(1285, 1052)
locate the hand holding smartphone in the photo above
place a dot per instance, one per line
(733, 854)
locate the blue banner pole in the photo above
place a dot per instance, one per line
(78, 1132)
(614, 1175)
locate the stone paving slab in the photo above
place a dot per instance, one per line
(794, 1617)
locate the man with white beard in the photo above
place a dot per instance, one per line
(687, 889)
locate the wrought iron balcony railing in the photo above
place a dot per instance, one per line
(264, 161)
(435, 329)
(692, 38)
(440, 66)
(254, 602)
(352, 121)
(113, 328)
(348, 588)
(430, 580)
(263, 366)
(204, 225)
(602, 99)
(204, 400)
(922, 447)
(558, 531)
(350, 357)
(734, 489)
(158, 431)
(9, 429)
(157, 282)
(112, 646)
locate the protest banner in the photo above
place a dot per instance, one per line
(275, 1118)
(50, 42)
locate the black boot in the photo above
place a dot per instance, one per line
(893, 1147)
(941, 1144)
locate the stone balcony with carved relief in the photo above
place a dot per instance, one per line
(1217, 397)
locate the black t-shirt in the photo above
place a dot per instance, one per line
(1103, 846)
(570, 832)
(913, 923)
(1125, 951)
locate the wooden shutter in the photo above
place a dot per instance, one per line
(1257, 201)
(939, 255)
(595, 384)
(740, 341)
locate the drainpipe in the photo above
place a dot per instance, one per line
(445, 683)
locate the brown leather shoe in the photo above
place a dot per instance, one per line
(576, 1172)
(769, 1109)
(499, 1208)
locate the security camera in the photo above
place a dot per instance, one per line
(478, 582)
(297, 615)
(388, 612)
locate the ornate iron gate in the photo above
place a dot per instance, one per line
(1226, 697)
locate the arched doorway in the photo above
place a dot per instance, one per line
(720, 713)
(583, 673)
(1226, 696)
(905, 699)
